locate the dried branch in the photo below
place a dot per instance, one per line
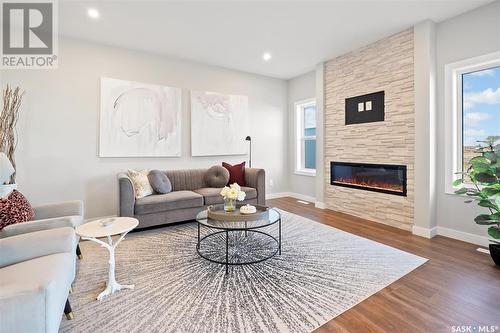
(8, 120)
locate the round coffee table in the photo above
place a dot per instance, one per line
(233, 243)
(95, 229)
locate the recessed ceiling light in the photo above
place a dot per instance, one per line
(266, 56)
(93, 13)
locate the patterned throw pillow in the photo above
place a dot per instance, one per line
(15, 208)
(141, 183)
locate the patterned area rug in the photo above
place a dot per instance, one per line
(321, 273)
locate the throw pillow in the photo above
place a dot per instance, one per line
(141, 184)
(236, 173)
(159, 182)
(15, 208)
(216, 176)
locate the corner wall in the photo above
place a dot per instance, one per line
(299, 88)
(384, 65)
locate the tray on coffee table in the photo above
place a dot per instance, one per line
(216, 212)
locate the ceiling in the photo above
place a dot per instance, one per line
(235, 34)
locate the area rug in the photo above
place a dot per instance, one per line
(321, 273)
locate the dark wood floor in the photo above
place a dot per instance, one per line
(457, 286)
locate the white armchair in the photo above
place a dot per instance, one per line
(36, 273)
(51, 216)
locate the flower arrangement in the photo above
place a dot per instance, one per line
(232, 193)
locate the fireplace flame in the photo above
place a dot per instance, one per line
(374, 184)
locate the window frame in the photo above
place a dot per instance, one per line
(454, 113)
(300, 138)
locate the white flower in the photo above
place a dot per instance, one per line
(232, 193)
(224, 190)
(236, 186)
(241, 196)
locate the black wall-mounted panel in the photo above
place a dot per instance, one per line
(365, 108)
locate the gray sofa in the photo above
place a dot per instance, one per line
(190, 195)
(36, 273)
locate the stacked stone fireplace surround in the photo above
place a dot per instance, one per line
(386, 65)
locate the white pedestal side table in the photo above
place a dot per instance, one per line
(94, 230)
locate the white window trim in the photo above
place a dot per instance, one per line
(453, 112)
(299, 139)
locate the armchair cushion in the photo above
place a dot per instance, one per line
(66, 208)
(32, 245)
(38, 225)
(15, 209)
(27, 293)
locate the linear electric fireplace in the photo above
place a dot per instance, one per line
(371, 177)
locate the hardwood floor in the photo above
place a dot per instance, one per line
(457, 286)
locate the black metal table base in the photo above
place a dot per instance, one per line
(226, 233)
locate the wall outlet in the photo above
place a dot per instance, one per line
(271, 182)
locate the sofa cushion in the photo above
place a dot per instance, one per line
(140, 180)
(236, 173)
(250, 192)
(169, 201)
(159, 182)
(217, 176)
(212, 195)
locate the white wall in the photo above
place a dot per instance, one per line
(471, 34)
(424, 59)
(299, 88)
(57, 156)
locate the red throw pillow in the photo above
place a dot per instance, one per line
(236, 173)
(15, 208)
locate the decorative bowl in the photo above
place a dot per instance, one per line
(107, 222)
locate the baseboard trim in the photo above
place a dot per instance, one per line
(416, 230)
(320, 205)
(424, 232)
(450, 233)
(463, 236)
(290, 194)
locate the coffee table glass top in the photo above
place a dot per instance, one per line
(272, 218)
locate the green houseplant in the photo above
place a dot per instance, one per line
(481, 184)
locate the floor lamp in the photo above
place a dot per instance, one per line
(249, 139)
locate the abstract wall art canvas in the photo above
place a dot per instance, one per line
(219, 124)
(139, 120)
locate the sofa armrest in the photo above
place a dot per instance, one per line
(36, 244)
(256, 178)
(127, 195)
(67, 208)
(39, 225)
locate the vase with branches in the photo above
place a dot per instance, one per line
(11, 98)
(481, 184)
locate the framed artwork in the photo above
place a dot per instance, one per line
(139, 120)
(219, 124)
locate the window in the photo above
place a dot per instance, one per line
(472, 110)
(480, 109)
(306, 137)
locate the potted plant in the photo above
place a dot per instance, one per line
(481, 183)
